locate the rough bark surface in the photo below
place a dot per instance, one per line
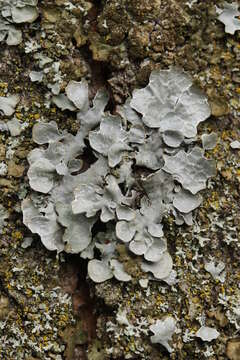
(48, 309)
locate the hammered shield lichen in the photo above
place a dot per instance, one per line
(105, 191)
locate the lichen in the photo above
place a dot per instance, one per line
(229, 17)
(98, 193)
(135, 38)
(16, 11)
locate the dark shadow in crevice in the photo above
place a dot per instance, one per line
(100, 74)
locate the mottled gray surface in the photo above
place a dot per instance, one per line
(118, 44)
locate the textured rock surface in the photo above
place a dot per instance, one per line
(47, 308)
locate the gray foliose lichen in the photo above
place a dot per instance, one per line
(15, 12)
(147, 168)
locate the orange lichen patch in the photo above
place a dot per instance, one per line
(18, 115)
(227, 173)
(227, 56)
(3, 85)
(238, 174)
(17, 235)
